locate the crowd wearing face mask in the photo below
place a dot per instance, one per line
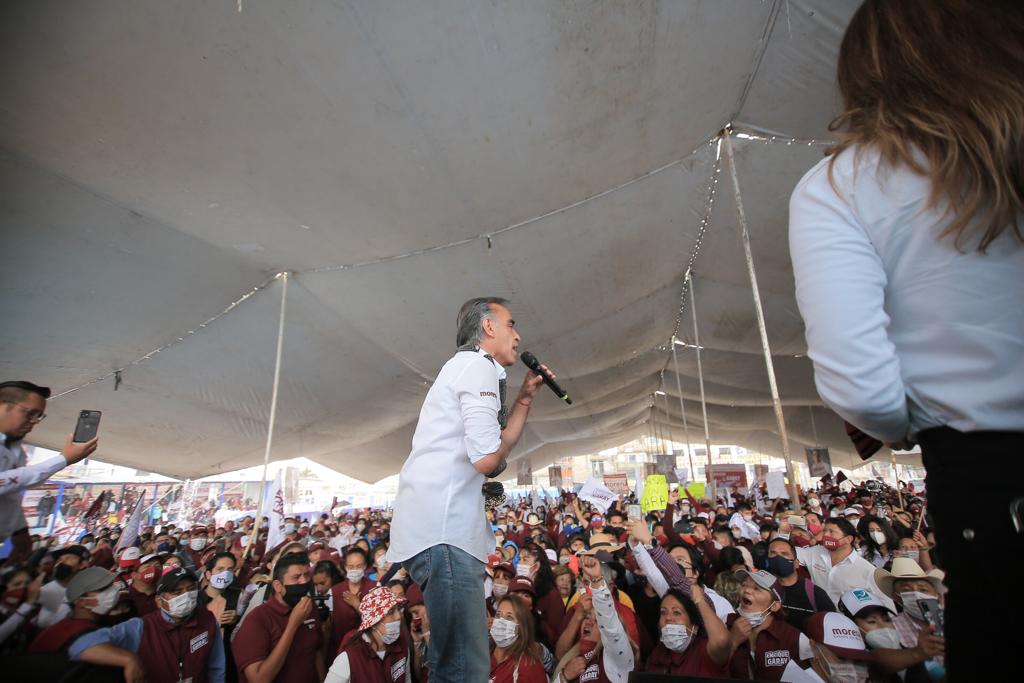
(846, 586)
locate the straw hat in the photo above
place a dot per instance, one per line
(603, 542)
(906, 568)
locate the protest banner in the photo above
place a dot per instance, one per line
(818, 461)
(524, 477)
(682, 475)
(697, 489)
(617, 484)
(729, 476)
(555, 477)
(667, 467)
(655, 493)
(597, 494)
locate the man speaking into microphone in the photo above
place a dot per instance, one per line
(439, 530)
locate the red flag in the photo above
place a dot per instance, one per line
(97, 504)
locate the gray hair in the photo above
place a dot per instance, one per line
(471, 319)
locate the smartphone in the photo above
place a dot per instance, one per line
(634, 511)
(88, 426)
(933, 614)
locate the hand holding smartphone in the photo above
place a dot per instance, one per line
(88, 426)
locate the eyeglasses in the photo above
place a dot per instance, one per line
(31, 414)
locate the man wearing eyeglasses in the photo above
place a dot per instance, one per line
(22, 406)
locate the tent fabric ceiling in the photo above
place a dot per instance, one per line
(158, 164)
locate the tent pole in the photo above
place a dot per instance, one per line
(682, 408)
(700, 377)
(273, 413)
(761, 327)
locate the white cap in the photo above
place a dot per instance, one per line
(855, 601)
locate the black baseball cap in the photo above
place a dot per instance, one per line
(169, 581)
(27, 386)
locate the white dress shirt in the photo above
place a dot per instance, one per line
(439, 499)
(852, 572)
(905, 331)
(16, 476)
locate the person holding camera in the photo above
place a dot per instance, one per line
(22, 407)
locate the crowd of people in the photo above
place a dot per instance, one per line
(847, 585)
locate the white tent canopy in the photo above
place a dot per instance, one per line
(161, 161)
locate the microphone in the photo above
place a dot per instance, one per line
(534, 364)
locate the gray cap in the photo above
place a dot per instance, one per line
(88, 580)
(764, 580)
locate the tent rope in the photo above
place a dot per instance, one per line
(206, 323)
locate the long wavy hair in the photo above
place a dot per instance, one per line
(937, 86)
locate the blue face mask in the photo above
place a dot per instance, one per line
(165, 547)
(780, 566)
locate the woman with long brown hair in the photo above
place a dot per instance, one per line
(908, 256)
(515, 653)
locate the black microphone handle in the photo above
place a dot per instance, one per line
(535, 366)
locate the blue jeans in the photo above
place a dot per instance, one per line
(453, 593)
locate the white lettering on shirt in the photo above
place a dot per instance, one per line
(776, 658)
(199, 641)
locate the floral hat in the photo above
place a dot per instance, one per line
(376, 605)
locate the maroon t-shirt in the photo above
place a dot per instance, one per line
(344, 618)
(144, 604)
(693, 661)
(367, 667)
(530, 671)
(775, 646)
(261, 631)
(60, 636)
(176, 651)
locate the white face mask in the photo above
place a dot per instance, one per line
(289, 528)
(89, 546)
(197, 544)
(222, 580)
(914, 555)
(244, 541)
(392, 630)
(499, 590)
(180, 606)
(355, 575)
(564, 559)
(756, 618)
(503, 632)
(911, 605)
(380, 562)
(105, 600)
(878, 537)
(524, 570)
(883, 638)
(676, 637)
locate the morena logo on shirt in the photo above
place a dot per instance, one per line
(776, 658)
(592, 673)
(489, 393)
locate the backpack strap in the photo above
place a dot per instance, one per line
(809, 587)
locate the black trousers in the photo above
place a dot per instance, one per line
(972, 480)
